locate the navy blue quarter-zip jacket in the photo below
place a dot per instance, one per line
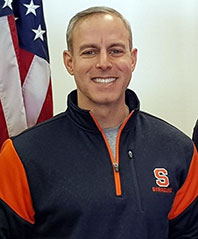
(59, 179)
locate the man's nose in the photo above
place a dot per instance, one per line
(103, 61)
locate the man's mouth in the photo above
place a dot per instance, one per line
(104, 80)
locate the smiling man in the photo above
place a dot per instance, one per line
(103, 168)
(102, 60)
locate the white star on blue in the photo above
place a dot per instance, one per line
(30, 24)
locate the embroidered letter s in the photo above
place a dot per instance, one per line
(162, 179)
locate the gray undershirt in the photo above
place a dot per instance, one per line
(111, 134)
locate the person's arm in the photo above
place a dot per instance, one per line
(16, 210)
(195, 134)
(183, 217)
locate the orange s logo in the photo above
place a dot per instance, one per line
(162, 179)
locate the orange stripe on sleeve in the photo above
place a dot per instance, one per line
(14, 189)
(188, 192)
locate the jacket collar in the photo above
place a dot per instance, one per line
(83, 118)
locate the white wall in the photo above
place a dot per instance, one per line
(166, 35)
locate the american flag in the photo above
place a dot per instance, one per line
(25, 81)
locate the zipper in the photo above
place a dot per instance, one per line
(114, 161)
(135, 181)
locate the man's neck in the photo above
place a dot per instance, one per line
(110, 117)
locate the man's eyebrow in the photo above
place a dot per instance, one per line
(84, 46)
(118, 45)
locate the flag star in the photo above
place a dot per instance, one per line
(31, 8)
(8, 3)
(39, 33)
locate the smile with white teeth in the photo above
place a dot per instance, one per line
(104, 80)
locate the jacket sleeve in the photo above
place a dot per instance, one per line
(183, 217)
(16, 210)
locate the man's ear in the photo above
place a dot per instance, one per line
(67, 58)
(134, 58)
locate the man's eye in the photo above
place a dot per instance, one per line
(89, 53)
(116, 52)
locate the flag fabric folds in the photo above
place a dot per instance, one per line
(25, 80)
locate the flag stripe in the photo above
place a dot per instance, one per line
(3, 128)
(13, 33)
(26, 59)
(10, 83)
(35, 89)
(47, 105)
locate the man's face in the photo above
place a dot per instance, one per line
(102, 62)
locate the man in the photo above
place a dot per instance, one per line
(102, 169)
(195, 134)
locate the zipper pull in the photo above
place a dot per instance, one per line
(116, 166)
(130, 153)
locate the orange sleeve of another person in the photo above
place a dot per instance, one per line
(188, 192)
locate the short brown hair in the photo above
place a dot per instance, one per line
(91, 11)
